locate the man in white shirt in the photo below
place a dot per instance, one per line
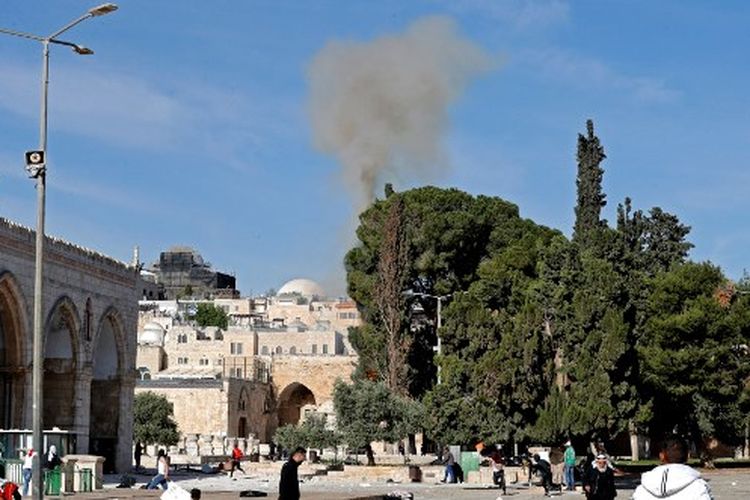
(673, 480)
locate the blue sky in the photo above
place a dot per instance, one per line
(190, 124)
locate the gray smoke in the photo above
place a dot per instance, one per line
(382, 106)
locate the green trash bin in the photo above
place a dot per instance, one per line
(469, 462)
(85, 484)
(52, 481)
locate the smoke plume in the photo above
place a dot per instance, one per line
(382, 106)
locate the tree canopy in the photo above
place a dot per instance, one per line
(153, 421)
(369, 411)
(211, 315)
(545, 337)
(313, 432)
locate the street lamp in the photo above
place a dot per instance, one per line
(38, 171)
(439, 299)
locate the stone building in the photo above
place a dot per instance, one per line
(90, 318)
(277, 360)
(182, 271)
(224, 407)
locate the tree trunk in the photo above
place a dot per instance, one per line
(389, 297)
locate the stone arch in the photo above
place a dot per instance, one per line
(61, 360)
(107, 370)
(13, 333)
(243, 401)
(109, 344)
(292, 399)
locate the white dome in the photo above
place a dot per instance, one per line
(152, 334)
(302, 286)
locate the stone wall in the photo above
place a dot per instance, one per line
(312, 342)
(90, 308)
(215, 407)
(318, 374)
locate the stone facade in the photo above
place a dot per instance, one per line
(290, 353)
(219, 407)
(90, 310)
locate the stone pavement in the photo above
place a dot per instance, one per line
(726, 484)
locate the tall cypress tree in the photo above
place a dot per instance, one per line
(591, 199)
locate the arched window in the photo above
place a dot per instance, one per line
(292, 350)
(278, 349)
(264, 350)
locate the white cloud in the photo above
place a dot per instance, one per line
(134, 112)
(581, 71)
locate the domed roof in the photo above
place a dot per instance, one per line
(152, 334)
(301, 286)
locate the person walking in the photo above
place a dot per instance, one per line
(600, 482)
(137, 454)
(28, 467)
(289, 482)
(557, 461)
(673, 480)
(497, 462)
(236, 457)
(570, 466)
(449, 461)
(544, 469)
(162, 472)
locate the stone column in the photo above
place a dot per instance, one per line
(82, 407)
(125, 424)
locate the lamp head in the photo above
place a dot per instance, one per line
(103, 9)
(81, 50)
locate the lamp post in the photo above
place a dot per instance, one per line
(439, 299)
(38, 171)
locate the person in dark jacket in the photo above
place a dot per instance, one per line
(289, 483)
(52, 459)
(544, 469)
(599, 484)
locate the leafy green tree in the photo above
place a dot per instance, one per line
(210, 315)
(693, 354)
(447, 235)
(497, 363)
(369, 411)
(591, 198)
(313, 432)
(153, 420)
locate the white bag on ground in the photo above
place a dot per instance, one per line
(175, 492)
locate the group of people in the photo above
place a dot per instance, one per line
(672, 480)
(288, 482)
(51, 461)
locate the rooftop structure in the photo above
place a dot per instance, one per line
(181, 271)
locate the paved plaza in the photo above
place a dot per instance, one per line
(726, 484)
